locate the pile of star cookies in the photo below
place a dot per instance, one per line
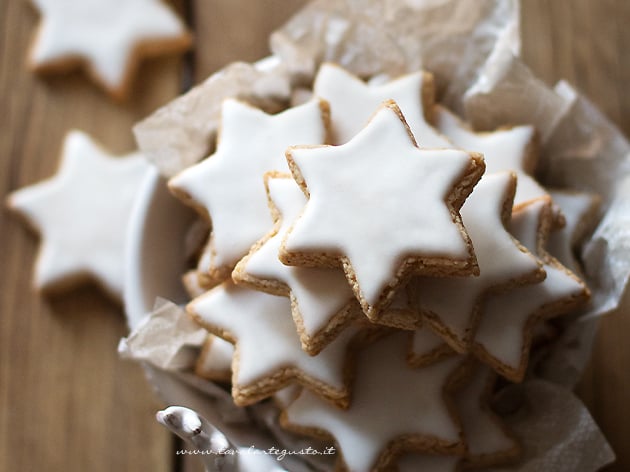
(376, 265)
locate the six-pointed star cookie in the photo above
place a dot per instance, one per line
(353, 102)
(504, 334)
(510, 149)
(228, 186)
(268, 354)
(488, 441)
(579, 211)
(82, 214)
(322, 302)
(382, 208)
(453, 306)
(394, 409)
(106, 36)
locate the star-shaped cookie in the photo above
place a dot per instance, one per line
(394, 409)
(268, 354)
(353, 102)
(504, 334)
(106, 37)
(228, 186)
(579, 211)
(453, 306)
(510, 149)
(382, 209)
(322, 301)
(82, 214)
(488, 441)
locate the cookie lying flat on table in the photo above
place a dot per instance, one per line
(82, 214)
(228, 186)
(453, 306)
(353, 102)
(504, 334)
(268, 354)
(394, 409)
(105, 37)
(322, 302)
(382, 209)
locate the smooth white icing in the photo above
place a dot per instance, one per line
(377, 199)
(230, 185)
(575, 208)
(425, 341)
(501, 331)
(353, 102)
(319, 294)
(503, 150)
(389, 399)
(82, 213)
(266, 337)
(217, 357)
(501, 261)
(103, 32)
(482, 429)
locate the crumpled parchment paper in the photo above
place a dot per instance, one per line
(472, 47)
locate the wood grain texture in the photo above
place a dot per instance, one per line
(67, 403)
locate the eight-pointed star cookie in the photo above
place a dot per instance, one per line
(453, 306)
(82, 214)
(382, 208)
(268, 354)
(105, 36)
(322, 302)
(510, 149)
(394, 409)
(228, 186)
(353, 102)
(504, 334)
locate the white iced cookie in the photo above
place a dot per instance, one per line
(579, 211)
(268, 354)
(82, 214)
(228, 186)
(322, 301)
(511, 149)
(453, 306)
(353, 102)
(215, 359)
(382, 209)
(504, 334)
(394, 409)
(107, 37)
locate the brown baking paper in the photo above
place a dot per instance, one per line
(472, 47)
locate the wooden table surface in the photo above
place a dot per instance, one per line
(67, 403)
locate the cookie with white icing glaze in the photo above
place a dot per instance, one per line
(268, 355)
(322, 302)
(228, 186)
(353, 102)
(82, 214)
(426, 347)
(382, 209)
(507, 149)
(394, 409)
(107, 38)
(488, 441)
(452, 307)
(580, 212)
(215, 360)
(504, 334)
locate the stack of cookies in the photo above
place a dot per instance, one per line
(376, 266)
